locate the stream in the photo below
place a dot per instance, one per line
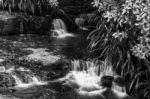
(34, 66)
(29, 60)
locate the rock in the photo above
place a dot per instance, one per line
(42, 56)
(28, 93)
(107, 80)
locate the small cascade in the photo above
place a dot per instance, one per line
(24, 78)
(92, 68)
(59, 29)
(89, 73)
(18, 81)
(59, 24)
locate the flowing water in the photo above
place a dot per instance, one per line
(88, 74)
(59, 29)
(59, 24)
(72, 47)
(16, 46)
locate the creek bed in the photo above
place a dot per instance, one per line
(44, 56)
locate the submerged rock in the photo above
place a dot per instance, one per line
(42, 56)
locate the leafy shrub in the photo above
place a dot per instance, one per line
(122, 36)
(27, 5)
(53, 3)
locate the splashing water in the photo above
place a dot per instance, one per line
(87, 74)
(19, 83)
(59, 29)
(60, 33)
(17, 80)
(59, 24)
(33, 82)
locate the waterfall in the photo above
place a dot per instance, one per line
(89, 73)
(59, 29)
(59, 24)
(92, 68)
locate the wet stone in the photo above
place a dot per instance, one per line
(41, 55)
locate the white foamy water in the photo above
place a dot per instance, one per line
(87, 74)
(17, 80)
(59, 24)
(33, 81)
(28, 85)
(19, 84)
(59, 29)
(60, 33)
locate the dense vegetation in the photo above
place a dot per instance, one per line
(28, 5)
(122, 37)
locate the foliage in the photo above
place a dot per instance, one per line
(135, 14)
(122, 37)
(27, 5)
(53, 3)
